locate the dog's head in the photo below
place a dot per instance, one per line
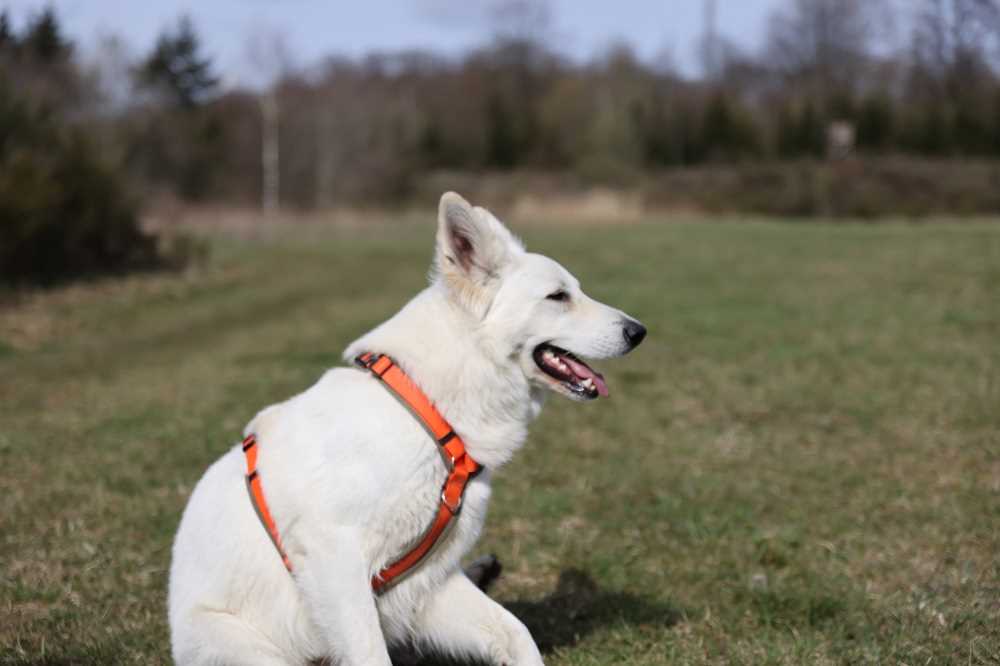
(527, 307)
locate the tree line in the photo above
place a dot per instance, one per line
(366, 129)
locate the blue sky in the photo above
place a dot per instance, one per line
(313, 28)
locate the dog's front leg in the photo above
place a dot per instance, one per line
(332, 576)
(460, 620)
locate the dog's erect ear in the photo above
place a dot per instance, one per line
(472, 246)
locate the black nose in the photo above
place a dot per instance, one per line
(634, 333)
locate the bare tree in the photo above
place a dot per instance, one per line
(708, 49)
(521, 20)
(110, 64)
(955, 38)
(268, 52)
(822, 46)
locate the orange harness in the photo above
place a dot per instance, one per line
(462, 468)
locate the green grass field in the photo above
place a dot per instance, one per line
(801, 465)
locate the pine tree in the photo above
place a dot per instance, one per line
(875, 123)
(728, 132)
(177, 69)
(43, 38)
(785, 132)
(8, 41)
(501, 140)
(810, 131)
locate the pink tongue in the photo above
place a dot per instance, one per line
(582, 371)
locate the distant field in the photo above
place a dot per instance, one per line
(801, 465)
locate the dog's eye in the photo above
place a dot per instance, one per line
(560, 296)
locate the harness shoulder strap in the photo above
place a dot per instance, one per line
(462, 469)
(257, 498)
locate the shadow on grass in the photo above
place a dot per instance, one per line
(575, 609)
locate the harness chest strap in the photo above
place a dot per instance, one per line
(462, 468)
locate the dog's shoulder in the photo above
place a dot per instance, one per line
(340, 394)
(345, 421)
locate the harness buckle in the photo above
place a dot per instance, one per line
(454, 509)
(447, 459)
(366, 361)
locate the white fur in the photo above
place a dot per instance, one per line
(352, 479)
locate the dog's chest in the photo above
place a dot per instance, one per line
(347, 453)
(400, 607)
(408, 511)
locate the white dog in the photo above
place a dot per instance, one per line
(352, 478)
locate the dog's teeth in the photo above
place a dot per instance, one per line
(587, 383)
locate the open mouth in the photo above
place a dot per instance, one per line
(572, 373)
